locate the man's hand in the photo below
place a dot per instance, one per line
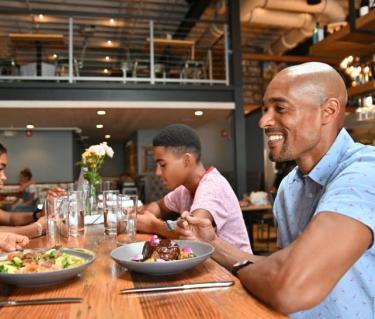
(56, 192)
(146, 222)
(195, 228)
(11, 241)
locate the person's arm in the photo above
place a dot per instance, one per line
(300, 276)
(157, 208)
(15, 218)
(33, 230)
(11, 241)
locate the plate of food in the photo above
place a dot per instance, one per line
(43, 267)
(162, 256)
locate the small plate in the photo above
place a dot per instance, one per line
(49, 277)
(124, 254)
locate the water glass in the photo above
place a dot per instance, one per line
(53, 234)
(110, 209)
(127, 219)
(76, 207)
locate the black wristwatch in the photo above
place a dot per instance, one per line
(34, 214)
(239, 265)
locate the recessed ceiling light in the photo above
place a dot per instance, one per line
(99, 125)
(109, 42)
(107, 58)
(29, 126)
(101, 112)
(198, 113)
(107, 136)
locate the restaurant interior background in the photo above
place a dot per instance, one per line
(151, 63)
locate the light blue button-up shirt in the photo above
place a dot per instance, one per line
(343, 182)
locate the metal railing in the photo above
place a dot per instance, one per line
(152, 54)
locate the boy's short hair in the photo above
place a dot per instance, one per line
(180, 138)
(3, 149)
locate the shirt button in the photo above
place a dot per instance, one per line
(310, 195)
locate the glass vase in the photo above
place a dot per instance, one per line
(91, 203)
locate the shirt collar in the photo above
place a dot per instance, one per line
(329, 162)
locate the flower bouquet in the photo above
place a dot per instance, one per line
(92, 160)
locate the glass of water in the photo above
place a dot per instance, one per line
(127, 219)
(110, 209)
(76, 207)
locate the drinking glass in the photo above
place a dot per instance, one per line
(127, 219)
(53, 234)
(57, 219)
(76, 207)
(110, 209)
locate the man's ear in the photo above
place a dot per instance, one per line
(189, 159)
(330, 110)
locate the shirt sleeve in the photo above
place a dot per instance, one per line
(352, 193)
(172, 199)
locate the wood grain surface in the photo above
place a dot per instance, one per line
(100, 283)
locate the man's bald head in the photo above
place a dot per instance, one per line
(319, 81)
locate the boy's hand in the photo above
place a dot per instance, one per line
(195, 228)
(146, 222)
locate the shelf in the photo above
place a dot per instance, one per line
(362, 89)
(344, 42)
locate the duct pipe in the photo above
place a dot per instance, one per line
(290, 39)
(281, 19)
(332, 10)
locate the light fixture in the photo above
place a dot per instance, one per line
(41, 17)
(105, 71)
(99, 125)
(29, 126)
(101, 112)
(54, 56)
(198, 113)
(107, 58)
(109, 42)
(112, 21)
(107, 136)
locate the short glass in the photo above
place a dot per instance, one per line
(110, 209)
(127, 219)
(76, 207)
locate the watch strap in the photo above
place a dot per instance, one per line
(239, 265)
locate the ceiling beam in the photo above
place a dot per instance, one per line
(192, 16)
(286, 58)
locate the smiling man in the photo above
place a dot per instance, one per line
(324, 207)
(203, 192)
(27, 224)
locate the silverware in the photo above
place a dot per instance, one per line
(211, 284)
(5, 303)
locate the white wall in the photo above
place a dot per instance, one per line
(49, 155)
(217, 150)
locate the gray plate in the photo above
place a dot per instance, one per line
(49, 277)
(125, 253)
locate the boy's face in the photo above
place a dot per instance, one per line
(170, 167)
(3, 165)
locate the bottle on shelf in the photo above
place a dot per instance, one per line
(318, 34)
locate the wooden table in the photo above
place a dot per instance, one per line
(100, 283)
(250, 213)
